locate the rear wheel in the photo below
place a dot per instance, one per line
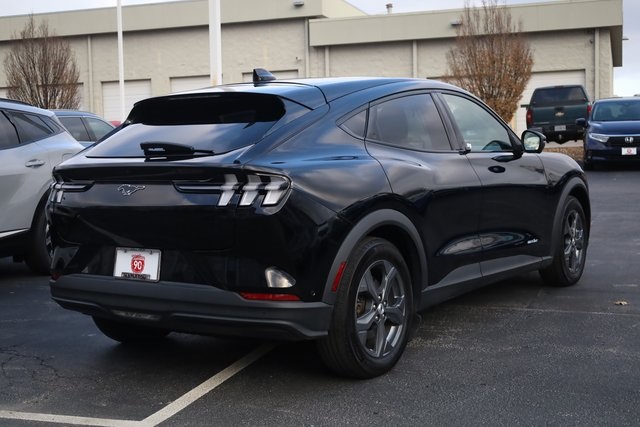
(371, 318)
(129, 333)
(38, 256)
(571, 249)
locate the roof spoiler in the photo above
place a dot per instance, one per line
(262, 75)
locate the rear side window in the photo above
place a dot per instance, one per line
(411, 122)
(356, 124)
(98, 127)
(559, 96)
(30, 126)
(215, 122)
(76, 128)
(8, 135)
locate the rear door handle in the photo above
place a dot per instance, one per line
(35, 163)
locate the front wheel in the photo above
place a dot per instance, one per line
(129, 333)
(371, 319)
(587, 164)
(571, 250)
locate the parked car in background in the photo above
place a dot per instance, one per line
(612, 131)
(553, 110)
(85, 127)
(314, 209)
(32, 142)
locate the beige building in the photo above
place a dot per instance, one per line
(166, 46)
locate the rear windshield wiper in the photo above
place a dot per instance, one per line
(171, 151)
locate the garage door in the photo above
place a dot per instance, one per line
(182, 84)
(540, 80)
(134, 91)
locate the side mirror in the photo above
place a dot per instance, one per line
(581, 122)
(533, 141)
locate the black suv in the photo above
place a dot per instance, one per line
(553, 110)
(320, 209)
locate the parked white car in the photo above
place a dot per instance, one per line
(32, 142)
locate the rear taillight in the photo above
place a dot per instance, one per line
(261, 189)
(588, 109)
(529, 117)
(58, 189)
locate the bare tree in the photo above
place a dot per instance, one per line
(491, 58)
(41, 68)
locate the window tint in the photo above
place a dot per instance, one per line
(30, 126)
(8, 135)
(479, 128)
(215, 122)
(98, 127)
(355, 125)
(410, 122)
(55, 126)
(558, 96)
(76, 128)
(615, 111)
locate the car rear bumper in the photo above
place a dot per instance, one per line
(191, 308)
(553, 132)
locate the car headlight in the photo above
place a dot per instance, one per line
(599, 137)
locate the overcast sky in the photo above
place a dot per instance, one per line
(626, 81)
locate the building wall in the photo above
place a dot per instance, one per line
(381, 59)
(276, 46)
(173, 42)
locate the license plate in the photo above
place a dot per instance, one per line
(137, 264)
(560, 128)
(629, 151)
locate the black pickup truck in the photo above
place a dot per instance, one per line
(553, 110)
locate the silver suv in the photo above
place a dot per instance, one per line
(32, 142)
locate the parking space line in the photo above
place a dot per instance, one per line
(67, 420)
(188, 398)
(163, 414)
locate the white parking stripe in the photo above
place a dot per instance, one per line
(68, 420)
(162, 415)
(204, 388)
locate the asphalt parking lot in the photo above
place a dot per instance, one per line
(515, 353)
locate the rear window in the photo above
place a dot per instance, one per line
(216, 122)
(559, 96)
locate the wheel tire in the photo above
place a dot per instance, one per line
(587, 164)
(372, 316)
(129, 333)
(571, 248)
(38, 256)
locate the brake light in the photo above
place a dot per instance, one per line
(269, 189)
(588, 109)
(529, 117)
(58, 188)
(254, 296)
